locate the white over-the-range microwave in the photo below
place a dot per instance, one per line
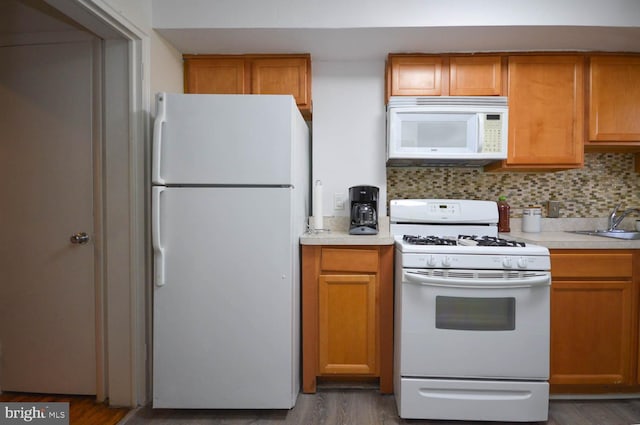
(447, 130)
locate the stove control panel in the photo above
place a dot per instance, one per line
(443, 209)
(473, 261)
(431, 211)
(516, 262)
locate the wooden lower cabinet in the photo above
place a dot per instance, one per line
(347, 314)
(594, 321)
(347, 324)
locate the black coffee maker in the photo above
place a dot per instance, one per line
(364, 210)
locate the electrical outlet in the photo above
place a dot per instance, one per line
(338, 201)
(553, 209)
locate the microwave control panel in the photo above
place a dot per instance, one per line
(492, 124)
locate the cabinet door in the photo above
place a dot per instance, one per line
(415, 75)
(591, 332)
(215, 75)
(614, 98)
(281, 75)
(475, 76)
(546, 112)
(348, 324)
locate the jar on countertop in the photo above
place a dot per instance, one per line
(532, 219)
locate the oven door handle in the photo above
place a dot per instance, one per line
(530, 282)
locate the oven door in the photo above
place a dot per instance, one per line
(474, 324)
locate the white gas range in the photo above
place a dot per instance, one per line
(471, 315)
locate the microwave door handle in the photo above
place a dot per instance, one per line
(450, 282)
(480, 137)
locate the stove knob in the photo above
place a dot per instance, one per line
(446, 261)
(522, 263)
(506, 262)
(431, 261)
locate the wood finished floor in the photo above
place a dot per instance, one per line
(83, 410)
(358, 407)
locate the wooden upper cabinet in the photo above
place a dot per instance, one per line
(282, 76)
(444, 75)
(219, 76)
(475, 76)
(546, 113)
(614, 99)
(415, 75)
(251, 74)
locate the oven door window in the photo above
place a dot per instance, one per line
(475, 314)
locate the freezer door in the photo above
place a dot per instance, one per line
(225, 331)
(226, 139)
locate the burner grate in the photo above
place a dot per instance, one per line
(466, 240)
(489, 241)
(428, 240)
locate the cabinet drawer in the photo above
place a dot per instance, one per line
(349, 260)
(585, 265)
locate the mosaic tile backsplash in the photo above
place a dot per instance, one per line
(592, 191)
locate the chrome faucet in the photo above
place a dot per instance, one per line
(615, 219)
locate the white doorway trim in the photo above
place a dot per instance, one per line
(125, 109)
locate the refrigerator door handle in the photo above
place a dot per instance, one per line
(158, 250)
(161, 118)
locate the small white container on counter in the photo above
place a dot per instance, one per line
(531, 219)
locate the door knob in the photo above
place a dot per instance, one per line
(79, 238)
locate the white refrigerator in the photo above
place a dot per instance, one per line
(230, 199)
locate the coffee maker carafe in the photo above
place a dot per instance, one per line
(364, 210)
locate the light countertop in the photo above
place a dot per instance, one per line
(553, 234)
(564, 240)
(338, 234)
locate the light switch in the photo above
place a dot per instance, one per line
(338, 201)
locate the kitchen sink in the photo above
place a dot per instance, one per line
(617, 234)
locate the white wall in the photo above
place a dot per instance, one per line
(162, 70)
(348, 129)
(166, 67)
(166, 61)
(383, 13)
(349, 39)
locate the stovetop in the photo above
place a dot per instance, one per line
(453, 227)
(485, 246)
(457, 255)
(462, 240)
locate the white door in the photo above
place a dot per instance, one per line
(47, 294)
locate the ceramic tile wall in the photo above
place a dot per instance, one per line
(592, 191)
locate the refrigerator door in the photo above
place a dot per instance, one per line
(225, 331)
(226, 139)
